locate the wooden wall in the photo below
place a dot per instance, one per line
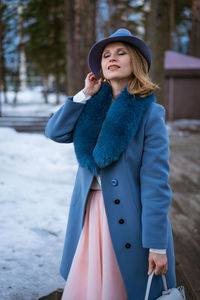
(182, 94)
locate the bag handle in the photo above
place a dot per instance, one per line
(149, 284)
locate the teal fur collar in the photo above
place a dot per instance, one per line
(105, 128)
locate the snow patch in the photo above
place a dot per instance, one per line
(36, 182)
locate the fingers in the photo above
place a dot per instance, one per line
(159, 262)
(151, 266)
(164, 270)
(91, 77)
(91, 80)
(160, 269)
(92, 84)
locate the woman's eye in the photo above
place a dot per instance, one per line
(106, 55)
(121, 52)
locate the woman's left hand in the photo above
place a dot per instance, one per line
(157, 261)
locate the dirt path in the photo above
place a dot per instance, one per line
(185, 208)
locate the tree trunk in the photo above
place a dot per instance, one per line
(45, 88)
(88, 35)
(16, 88)
(77, 60)
(147, 22)
(22, 57)
(70, 59)
(17, 79)
(56, 41)
(81, 33)
(159, 42)
(172, 23)
(109, 23)
(57, 83)
(195, 31)
(1, 59)
(3, 85)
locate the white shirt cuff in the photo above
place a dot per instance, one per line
(81, 97)
(159, 251)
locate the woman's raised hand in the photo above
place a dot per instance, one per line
(92, 84)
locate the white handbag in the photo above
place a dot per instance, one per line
(168, 294)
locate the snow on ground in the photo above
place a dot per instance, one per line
(183, 127)
(31, 102)
(36, 181)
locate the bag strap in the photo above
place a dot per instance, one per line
(149, 284)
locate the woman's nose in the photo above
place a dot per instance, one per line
(112, 57)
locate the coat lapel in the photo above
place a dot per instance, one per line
(104, 129)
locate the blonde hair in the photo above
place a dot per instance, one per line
(140, 83)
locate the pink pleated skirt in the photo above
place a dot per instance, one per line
(94, 273)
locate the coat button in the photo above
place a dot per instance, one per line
(117, 201)
(114, 181)
(121, 221)
(128, 245)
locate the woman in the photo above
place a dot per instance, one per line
(118, 228)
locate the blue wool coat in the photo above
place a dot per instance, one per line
(135, 171)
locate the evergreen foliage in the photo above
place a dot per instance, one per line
(50, 43)
(45, 37)
(9, 45)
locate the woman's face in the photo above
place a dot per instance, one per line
(116, 62)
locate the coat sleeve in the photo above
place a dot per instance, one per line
(60, 126)
(156, 193)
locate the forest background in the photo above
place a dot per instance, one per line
(44, 47)
(46, 42)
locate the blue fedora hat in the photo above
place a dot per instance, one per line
(121, 35)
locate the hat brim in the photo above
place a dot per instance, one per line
(95, 53)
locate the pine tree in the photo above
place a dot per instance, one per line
(182, 24)
(122, 13)
(45, 34)
(10, 46)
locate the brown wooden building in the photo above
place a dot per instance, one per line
(182, 86)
